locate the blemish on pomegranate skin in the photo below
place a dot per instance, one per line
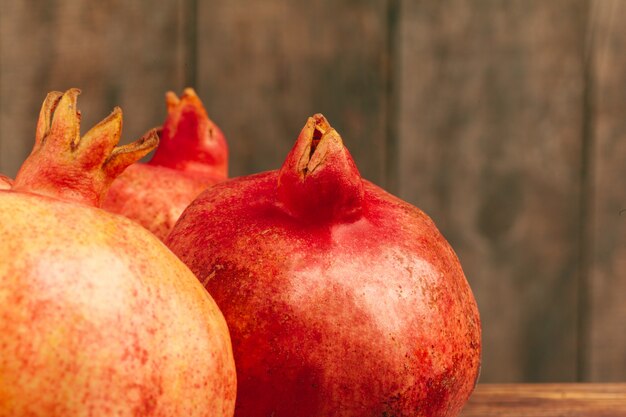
(209, 277)
(145, 398)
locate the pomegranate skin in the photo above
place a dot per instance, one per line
(92, 326)
(191, 156)
(155, 196)
(97, 316)
(356, 307)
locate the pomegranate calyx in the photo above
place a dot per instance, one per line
(319, 181)
(190, 141)
(5, 182)
(64, 165)
(318, 143)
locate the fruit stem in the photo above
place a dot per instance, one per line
(319, 181)
(190, 141)
(63, 165)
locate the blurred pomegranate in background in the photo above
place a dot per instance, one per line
(97, 316)
(192, 155)
(341, 299)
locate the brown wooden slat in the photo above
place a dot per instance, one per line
(547, 400)
(608, 193)
(490, 121)
(118, 53)
(264, 67)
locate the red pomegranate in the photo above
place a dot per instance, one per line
(191, 156)
(341, 299)
(97, 316)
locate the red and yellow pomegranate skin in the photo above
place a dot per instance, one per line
(97, 316)
(341, 299)
(191, 156)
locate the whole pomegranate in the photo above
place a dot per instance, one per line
(97, 316)
(191, 156)
(341, 299)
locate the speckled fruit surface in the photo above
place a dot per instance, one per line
(341, 299)
(97, 316)
(191, 156)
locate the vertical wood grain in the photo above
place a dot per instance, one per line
(264, 67)
(491, 103)
(118, 53)
(607, 238)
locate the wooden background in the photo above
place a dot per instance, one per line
(505, 120)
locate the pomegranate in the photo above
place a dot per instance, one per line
(191, 156)
(97, 316)
(341, 299)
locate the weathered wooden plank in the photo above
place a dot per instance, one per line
(264, 67)
(118, 53)
(490, 121)
(547, 400)
(607, 238)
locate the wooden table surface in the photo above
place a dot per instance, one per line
(547, 400)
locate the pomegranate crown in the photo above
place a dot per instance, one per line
(319, 181)
(5, 182)
(190, 141)
(64, 165)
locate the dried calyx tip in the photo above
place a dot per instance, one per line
(189, 92)
(314, 143)
(59, 118)
(124, 155)
(172, 100)
(322, 127)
